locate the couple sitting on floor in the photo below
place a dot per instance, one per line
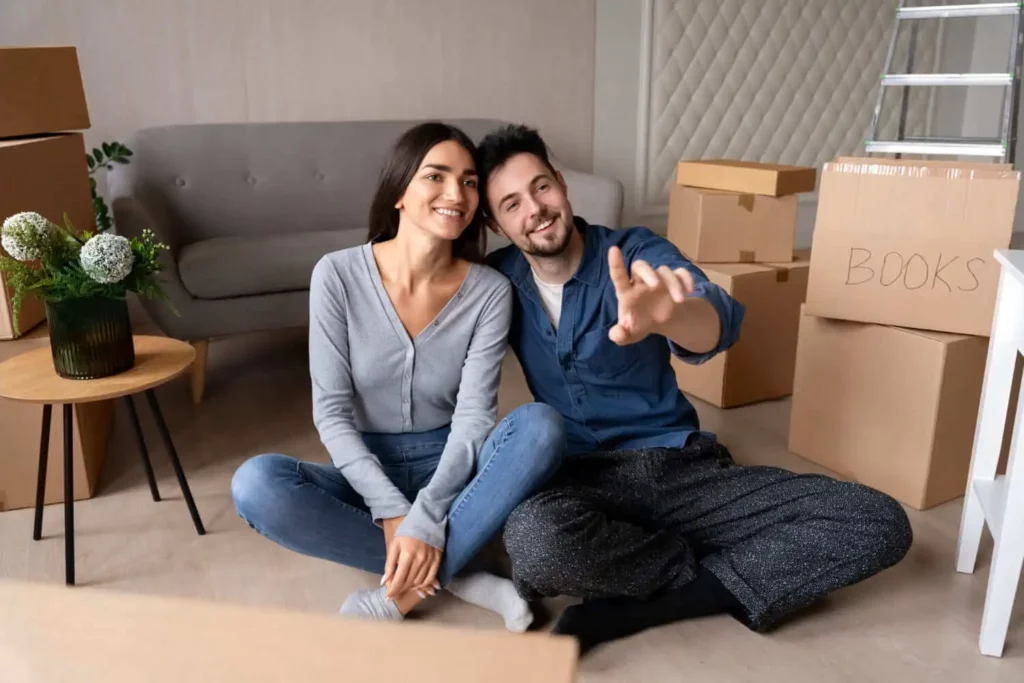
(605, 489)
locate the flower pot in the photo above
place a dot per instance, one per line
(90, 338)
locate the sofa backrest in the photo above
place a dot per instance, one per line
(234, 179)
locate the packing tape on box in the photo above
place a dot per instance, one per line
(747, 201)
(746, 256)
(781, 272)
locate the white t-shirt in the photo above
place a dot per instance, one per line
(550, 298)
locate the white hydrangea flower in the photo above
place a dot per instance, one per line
(21, 234)
(107, 258)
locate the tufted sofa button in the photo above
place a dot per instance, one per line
(251, 180)
(180, 182)
(320, 176)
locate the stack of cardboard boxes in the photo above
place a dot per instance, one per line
(43, 169)
(737, 221)
(893, 337)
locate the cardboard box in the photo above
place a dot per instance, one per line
(774, 180)
(52, 634)
(909, 243)
(890, 407)
(47, 175)
(759, 366)
(20, 425)
(41, 91)
(711, 226)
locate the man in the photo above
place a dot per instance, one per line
(649, 519)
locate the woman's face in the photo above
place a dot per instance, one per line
(442, 196)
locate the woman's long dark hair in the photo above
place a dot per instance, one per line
(406, 157)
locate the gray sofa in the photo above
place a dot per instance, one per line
(248, 209)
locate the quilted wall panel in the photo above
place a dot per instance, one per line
(786, 81)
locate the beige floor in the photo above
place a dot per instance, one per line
(916, 622)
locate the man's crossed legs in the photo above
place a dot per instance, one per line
(652, 536)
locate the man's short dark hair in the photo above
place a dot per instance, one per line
(501, 145)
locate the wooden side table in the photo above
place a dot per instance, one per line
(30, 377)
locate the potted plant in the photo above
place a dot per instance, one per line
(83, 279)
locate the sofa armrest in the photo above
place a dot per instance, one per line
(596, 199)
(131, 217)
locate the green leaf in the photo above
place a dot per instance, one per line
(89, 160)
(107, 149)
(98, 155)
(92, 184)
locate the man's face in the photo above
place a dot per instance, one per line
(529, 206)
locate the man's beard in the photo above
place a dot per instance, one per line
(556, 248)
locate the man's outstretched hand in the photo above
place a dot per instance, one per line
(647, 297)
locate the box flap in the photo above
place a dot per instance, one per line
(968, 203)
(42, 91)
(748, 177)
(739, 163)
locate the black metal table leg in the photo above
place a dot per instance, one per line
(44, 456)
(146, 464)
(69, 497)
(166, 435)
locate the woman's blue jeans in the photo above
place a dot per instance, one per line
(310, 508)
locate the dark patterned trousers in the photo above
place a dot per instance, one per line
(634, 523)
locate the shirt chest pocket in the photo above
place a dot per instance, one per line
(602, 357)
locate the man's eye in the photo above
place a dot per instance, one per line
(470, 183)
(512, 206)
(542, 187)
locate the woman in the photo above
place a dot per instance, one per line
(407, 335)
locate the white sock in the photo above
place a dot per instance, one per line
(371, 604)
(496, 594)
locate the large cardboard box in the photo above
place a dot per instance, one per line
(55, 634)
(890, 407)
(760, 365)
(711, 226)
(774, 180)
(20, 427)
(910, 243)
(41, 91)
(47, 175)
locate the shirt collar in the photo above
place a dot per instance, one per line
(592, 264)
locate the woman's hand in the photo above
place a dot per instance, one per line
(411, 564)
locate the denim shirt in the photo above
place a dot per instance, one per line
(612, 397)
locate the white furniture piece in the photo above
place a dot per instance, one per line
(992, 499)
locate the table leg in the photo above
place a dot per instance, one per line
(175, 463)
(69, 497)
(44, 454)
(1008, 549)
(995, 399)
(146, 464)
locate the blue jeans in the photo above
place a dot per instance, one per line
(310, 508)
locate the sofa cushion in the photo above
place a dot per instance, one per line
(225, 267)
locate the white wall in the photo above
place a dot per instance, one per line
(153, 62)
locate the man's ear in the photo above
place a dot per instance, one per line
(493, 225)
(561, 181)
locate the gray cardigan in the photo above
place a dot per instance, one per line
(369, 376)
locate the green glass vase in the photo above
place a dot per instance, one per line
(90, 338)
